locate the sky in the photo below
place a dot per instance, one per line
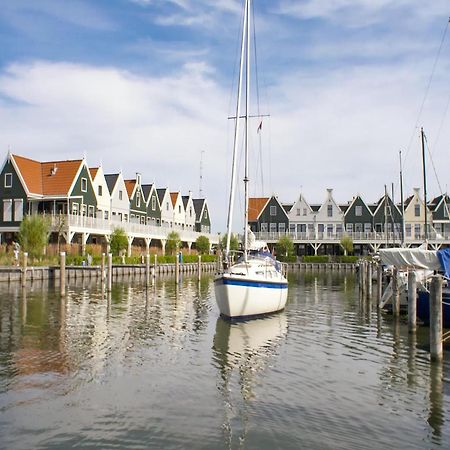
(148, 86)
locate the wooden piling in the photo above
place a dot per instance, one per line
(412, 301)
(24, 269)
(147, 269)
(102, 269)
(379, 283)
(363, 279)
(109, 281)
(62, 274)
(177, 269)
(436, 318)
(199, 267)
(395, 293)
(369, 279)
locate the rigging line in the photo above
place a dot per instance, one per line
(427, 88)
(441, 124)
(257, 99)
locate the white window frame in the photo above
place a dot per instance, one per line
(358, 210)
(138, 199)
(7, 210)
(349, 227)
(329, 210)
(153, 203)
(8, 175)
(273, 227)
(264, 227)
(84, 184)
(91, 211)
(18, 209)
(282, 227)
(75, 208)
(273, 211)
(417, 210)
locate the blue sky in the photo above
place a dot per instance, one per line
(146, 85)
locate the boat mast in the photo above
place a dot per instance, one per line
(247, 106)
(401, 200)
(236, 139)
(422, 139)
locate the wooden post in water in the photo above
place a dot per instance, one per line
(412, 301)
(62, 274)
(199, 267)
(177, 268)
(379, 283)
(147, 269)
(156, 262)
(395, 293)
(363, 279)
(436, 318)
(369, 279)
(109, 283)
(24, 269)
(102, 269)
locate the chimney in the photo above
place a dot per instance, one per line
(53, 170)
(138, 178)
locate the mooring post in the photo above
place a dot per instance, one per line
(199, 267)
(177, 268)
(109, 284)
(395, 293)
(379, 284)
(156, 262)
(62, 274)
(147, 269)
(369, 279)
(363, 279)
(24, 269)
(436, 318)
(102, 269)
(412, 301)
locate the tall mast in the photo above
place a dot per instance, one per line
(247, 106)
(385, 216)
(401, 200)
(422, 140)
(236, 138)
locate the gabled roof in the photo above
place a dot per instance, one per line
(185, 199)
(161, 193)
(315, 208)
(436, 202)
(130, 185)
(111, 180)
(373, 208)
(344, 207)
(146, 189)
(255, 207)
(93, 171)
(174, 197)
(408, 201)
(287, 206)
(199, 205)
(48, 178)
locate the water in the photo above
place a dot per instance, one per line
(159, 369)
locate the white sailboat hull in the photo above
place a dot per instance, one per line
(241, 296)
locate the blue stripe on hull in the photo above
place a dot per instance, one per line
(251, 283)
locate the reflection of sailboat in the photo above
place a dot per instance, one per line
(256, 284)
(242, 350)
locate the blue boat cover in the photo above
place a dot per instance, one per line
(444, 259)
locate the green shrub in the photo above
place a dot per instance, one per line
(347, 259)
(287, 259)
(316, 259)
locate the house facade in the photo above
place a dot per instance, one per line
(120, 203)
(153, 206)
(189, 211)
(414, 216)
(267, 215)
(202, 218)
(166, 207)
(138, 205)
(358, 217)
(101, 192)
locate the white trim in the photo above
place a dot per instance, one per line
(11, 180)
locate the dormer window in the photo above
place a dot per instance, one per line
(84, 185)
(358, 211)
(330, 210)
(138, 199)
(8, 180)
(273, 210)
(417, 210)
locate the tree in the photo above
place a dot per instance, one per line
(118, 241)
(202, 245)
(347, 244)
(173, 242)
(234, 243)
(34, 232)
(285, 246)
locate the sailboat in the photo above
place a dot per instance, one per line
(255, 284)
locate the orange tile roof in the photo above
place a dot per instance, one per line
(43, 179)
(93, 171)
(130, 186)
(255, 206)
(174, 196)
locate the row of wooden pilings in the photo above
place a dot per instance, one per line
(366, 270)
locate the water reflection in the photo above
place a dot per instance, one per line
(241, 351)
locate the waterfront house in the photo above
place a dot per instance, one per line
(166, 207)
(189, 209)
(120, 203)
(138, 205)
(266, 214)
(152, 203)
(358, 217)
(387, 217)
(329, 218)
(179, 214)
(415, 216)
(440, 207)
(202, 219)
(101, 193)
(302, 218)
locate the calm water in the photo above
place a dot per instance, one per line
(159, 369)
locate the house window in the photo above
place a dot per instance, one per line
(273, 210)
(349, 227)
(321, 228)
(138, 199)
(273, 227)
(83, 210)
(8, 180)
(358, 211)
(125, 217)
(84, 185)
(179, 209)
(206, 213)
(18, 210)
(7, 210)
(292, 227)
(281, 227)
(304, 211)
(408, 229)
(330, 210)
(153, 203)
(298, 211)
(100, 191)
(358, 227)
(417, 229)
(120, 195)
(91, 211)
(367, 227)
(167, 206)
(264, 227)
(75, 209)
(338, 228)
(143, 220)
(190, 211)
(106, 215)
(330, 229)
(417, 210)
